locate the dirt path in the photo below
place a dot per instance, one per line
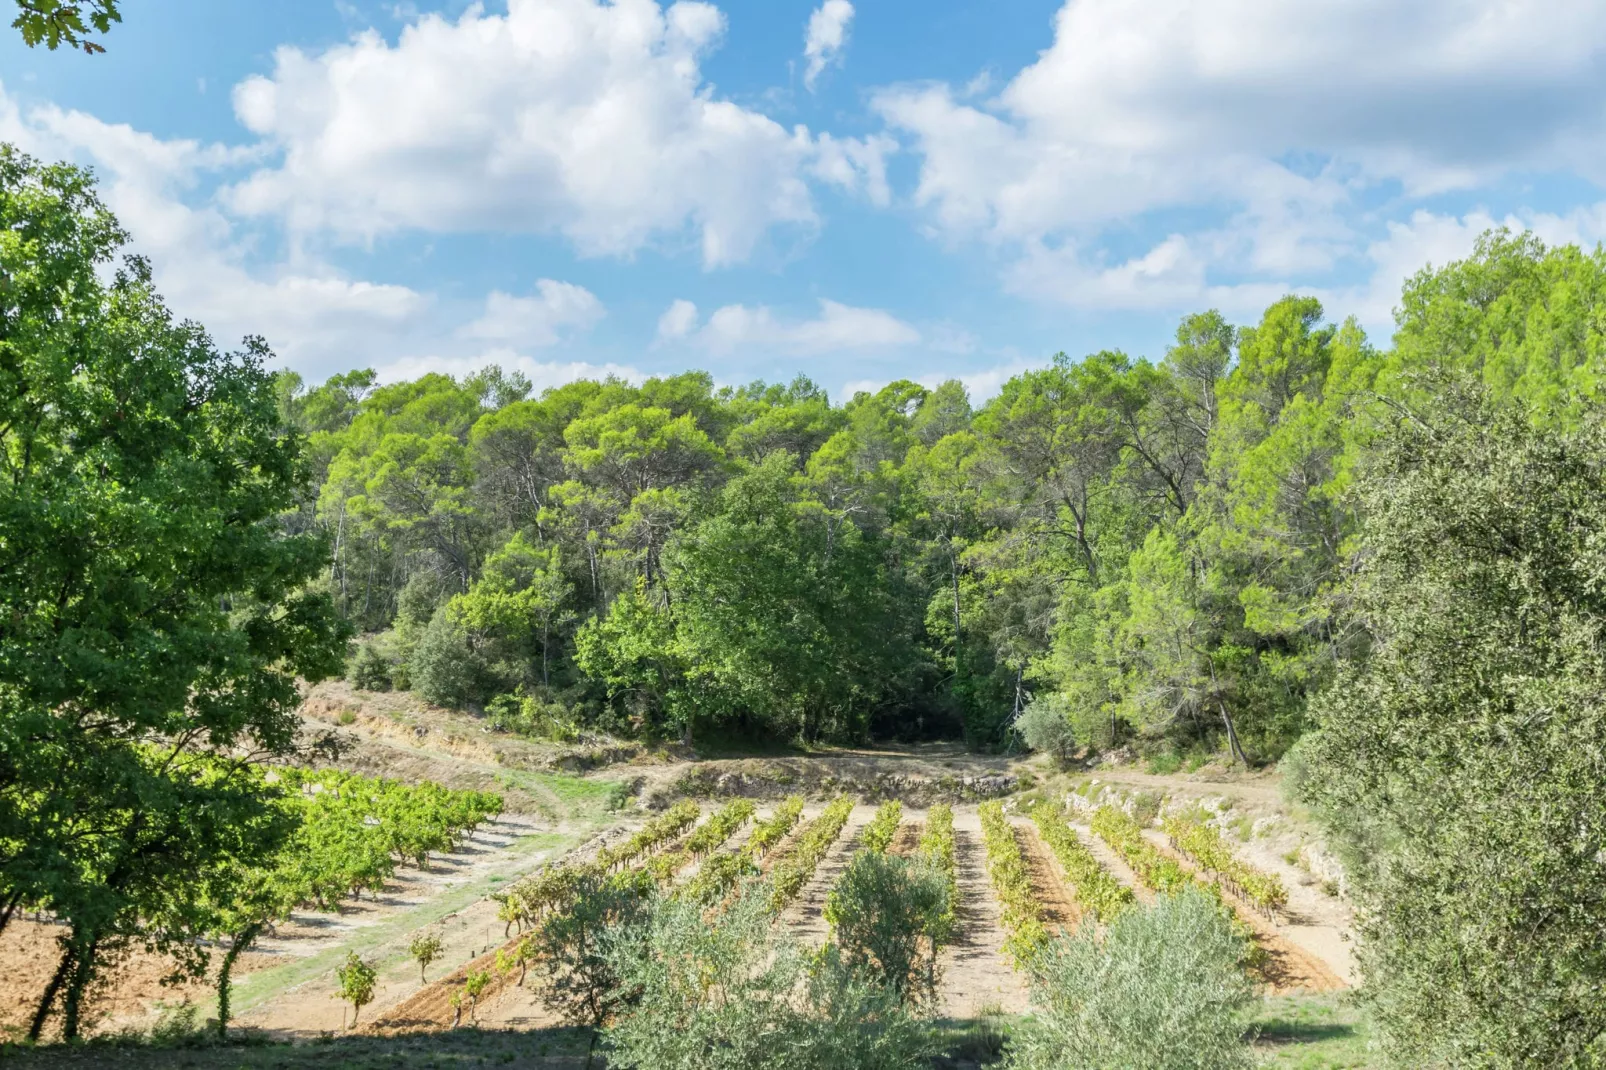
(1059, 910)
(1318, 922)
(805, 915)
(1265, 788)
(975, 975)
(1291, 966)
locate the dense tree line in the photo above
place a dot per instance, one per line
(1150, 549)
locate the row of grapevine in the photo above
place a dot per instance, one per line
(1116, 828)
(793, 871)
(878, 834)
(719, 828)
(1202, 844)
(1007, 869)
(937, 846)
(354, 831)
(1097, 890)
(1162, 874)
(721, 872)
(771, 831)
(655, 833)
(549, 889)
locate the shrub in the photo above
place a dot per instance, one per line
(580, 979)
(1045, 725)
(889, 915)
(1160, 989)
(733, 992)
(442, 668)
(370, 670)
(356, 979)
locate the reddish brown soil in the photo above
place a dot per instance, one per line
(907, 838)
(1059, 909)
(131, 983)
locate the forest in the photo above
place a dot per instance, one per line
(1151, 552)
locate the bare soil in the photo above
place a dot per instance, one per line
(976, 978)
(1059, 910)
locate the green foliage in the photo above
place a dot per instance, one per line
(877, 835)
(1097, 891)
(369, 670)
(937, 847)
(793, 870)
(579, 979)
(153, 596)
(424, 948)
(57, 22)
(1159, 989)
(1202, 844)
(442, 668)
(356, 978)
(1460, 767)
(1045, 726)
(1006, 867)
(889, 917)
(732, 992)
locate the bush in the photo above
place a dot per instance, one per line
(1161, 989)
(735, 993)
(1046, 727)
(889, 916)
(442, 666)
(370, 670)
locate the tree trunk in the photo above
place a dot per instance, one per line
(242, 940)
(48, 1000)
(1232, 734)
(11, 908)
(72, 1007)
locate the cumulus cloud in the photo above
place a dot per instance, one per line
(838, 327)
(825, 37)
(543, 374)
(307, 310)
(678, 321)
(538, 320)
(979, 385)
(1270, 118)
(577, 117)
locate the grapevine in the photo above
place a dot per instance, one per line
(1154, 869)
(793, 871)
(1203, 844)
(1007, 868)
(883, 827)
(718, 829)
(1096, 889)
(769, 833)
(937, 847)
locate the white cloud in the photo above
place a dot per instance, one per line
(678, 321)
(308, 311)
(577, 117)
(826, 35)
(1269, 118)
(539, 320)
(543, 374)
(837, 327)
(979, 385)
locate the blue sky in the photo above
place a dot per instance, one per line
(858, 192)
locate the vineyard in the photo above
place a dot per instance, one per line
(976, 927)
